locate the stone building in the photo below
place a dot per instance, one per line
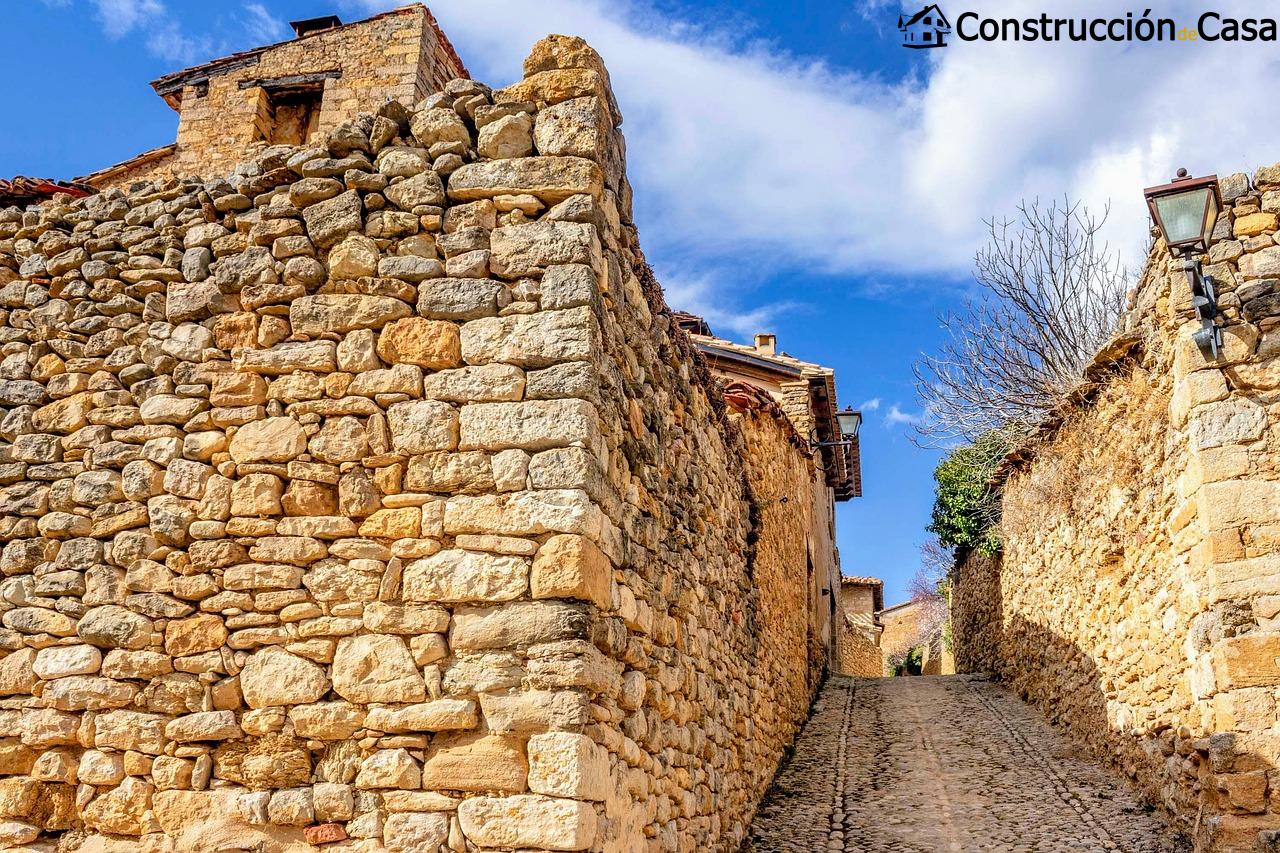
(916, 624)
(1137, 595)
(806, 393)
(367, 492)
(858, 639)
(291, 93)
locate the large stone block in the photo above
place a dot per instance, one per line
(532, 340)
(528, 711)
(281, 359)
(376, 668)
(431, 344)
(568, 566)
(455, 575)
(531, 425)
(461, 298)
(517, 625)
(564, 764)
(412, 832)
(423, 426)
(1251, 660)
(273, 676)
(269, 440)
(550, 179)
(527, 250)
(471, 762)
(485, 383)
(527, 513)
(329, 221)
(344, 312)
(528, 820)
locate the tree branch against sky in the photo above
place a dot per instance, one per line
(1050, 294)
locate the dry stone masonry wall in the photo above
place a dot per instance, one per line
(371, 494)
(1139, 589)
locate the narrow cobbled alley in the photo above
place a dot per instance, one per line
(950, 763)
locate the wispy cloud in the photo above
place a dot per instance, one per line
(706, 297)
(870, 405)
(119, 17)
(263, 26)
(896, 416)
(162, 31)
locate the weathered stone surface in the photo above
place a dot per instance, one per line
(563, 764)
(507, 137)
(527, 250)
(341, 312)
(456, 575)
(550, 179)
(273, 676)
(569, 566)
(438, 125)
(531, 340)
(423, 426)
(517, 625)
(431, 344)
(375, 668)
(470, 762)
(329, 221)
(409, 832)
(354, 257)
(269, 440)
(114, 627)
(528, 820)
(533, 425)
(461, 298)
(424, 188)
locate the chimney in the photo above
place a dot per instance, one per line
(307, 26)
(767, 344)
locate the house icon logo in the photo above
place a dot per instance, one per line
(926, 28)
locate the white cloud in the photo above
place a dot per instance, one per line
(706, 297)
(870, 405)
(118, 17)
(164, 35)
(263, 27)
(896, 415)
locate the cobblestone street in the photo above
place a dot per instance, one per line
(916, 765)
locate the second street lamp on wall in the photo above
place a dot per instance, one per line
(848, 422)
(1186, 211)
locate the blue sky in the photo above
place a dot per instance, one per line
(796, 170)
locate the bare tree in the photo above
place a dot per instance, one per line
(1051, 293)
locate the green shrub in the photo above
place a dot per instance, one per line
(966, 511)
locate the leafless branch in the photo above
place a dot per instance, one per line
(1051, 292)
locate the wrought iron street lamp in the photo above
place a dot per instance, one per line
(1186, 211)
(849, 422)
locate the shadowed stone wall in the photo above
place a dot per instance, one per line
(1137, 596)
(371, 495)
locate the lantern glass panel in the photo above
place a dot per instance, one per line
(849, 422)
(1186, 215)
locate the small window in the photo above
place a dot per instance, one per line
(928, 37)
(292, 114)
(928, 20)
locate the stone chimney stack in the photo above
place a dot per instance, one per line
(767, 344)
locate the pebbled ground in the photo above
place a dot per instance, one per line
(945, 763)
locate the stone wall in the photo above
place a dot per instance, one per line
(1138, 590)
(372, 494)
